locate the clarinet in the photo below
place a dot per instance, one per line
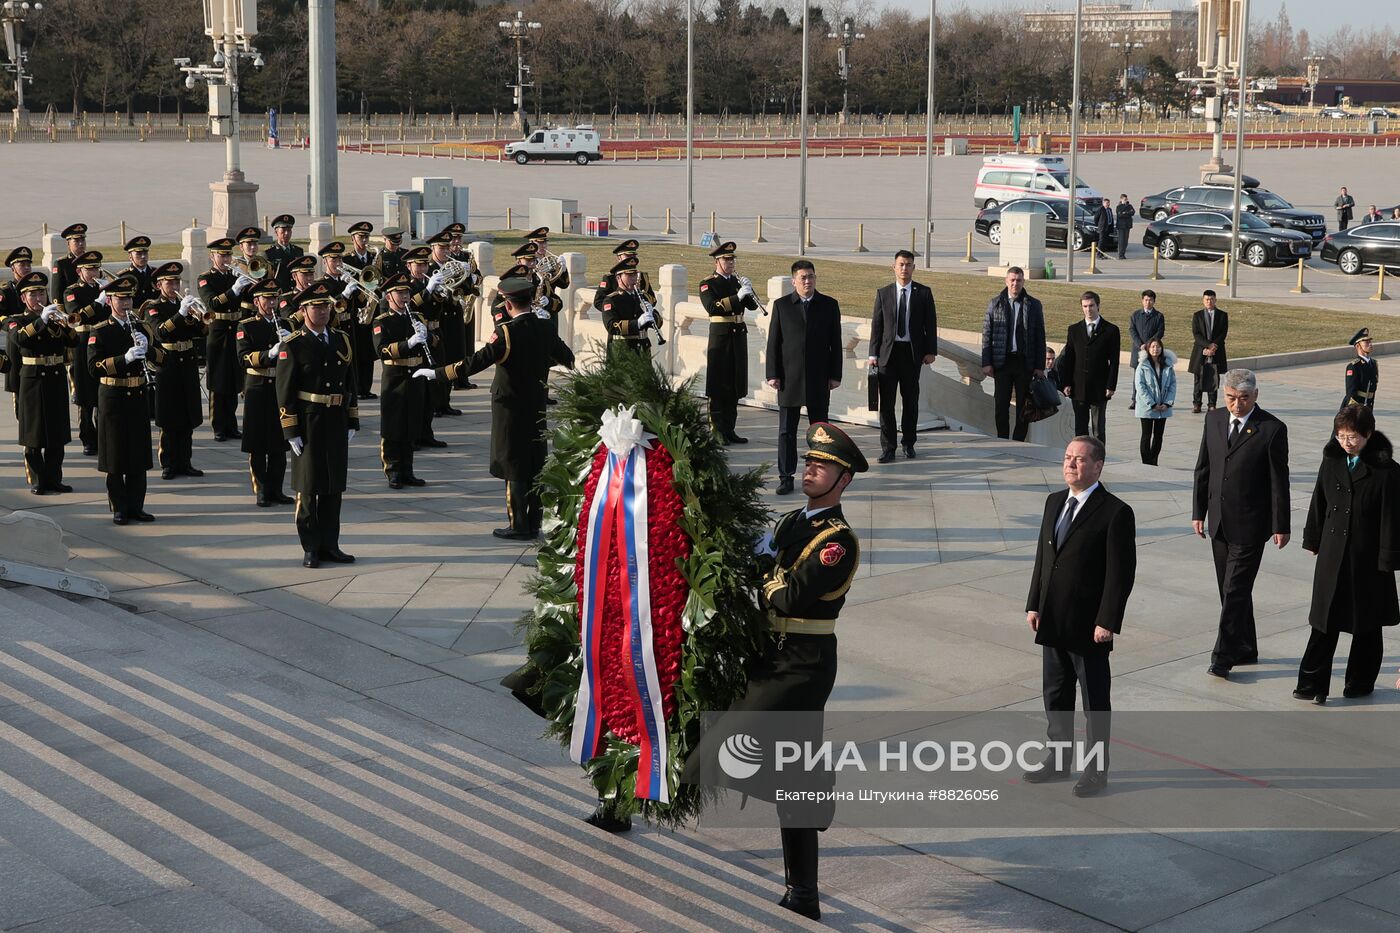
(648, 307)
(427, 338)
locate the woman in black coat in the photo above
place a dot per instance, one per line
(1354, 529)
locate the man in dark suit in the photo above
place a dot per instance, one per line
(1103, 219)
(1123, 215)
(903, 338)
(1209, 328)
(1088, 366)
(1085, 563)
(1241, 486)
(1013, 341)
(1144, 326)
(804, 361)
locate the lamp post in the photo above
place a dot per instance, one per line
(802, 143)
(1073, 205)
(1239, 146)
(1127, 45)
(12, 16)
(516, 30)
(1314, 63)
(690, 122)
(848, 37)
(232, 25)
(931, 108)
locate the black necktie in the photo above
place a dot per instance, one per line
(901, 325)
(1021, 330)
(1092, 329)
(1062, 529)
(1234, 433)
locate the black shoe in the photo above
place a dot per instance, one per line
(263, 502)
(365, 395)
(1319, 698)
(415, 481)
(279, 499)
(886, 456)
(736, 439)
(336, 556)
(510, 534)
(309, 559)
(1219, 670)
(118, 519)
(168, 473)
(1090, 783)
(60, 487)
(469, 385)
(551, 401)
(188, 470)
(220, 437)
(605, 821)
(395, 483)
(909, 451)
(802, 901)
(1353, 693)
(451, 412)
(1046, 773)
(38, 490)
(89, 451)
(785, 486)
(143, 516)
(433, 442)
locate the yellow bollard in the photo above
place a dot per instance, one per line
(914, 241)
(1225, 274)
(1094, 259)
(1156, 261)
(1380, 294)
(969, 257)
(668, 229)
(1301, 289)
(122, 225)
(860, 239)
(712, 222)
(610, 218)
(332, 226)
(509, 224)
(194, 223)
(808, 242)
(46, 228)
(630, 225)
(758, 236)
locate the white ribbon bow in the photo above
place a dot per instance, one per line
(621, 431)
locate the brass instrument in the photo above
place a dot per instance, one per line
(254, 268)
(454, 274)
(547, 266)
(369, 279)
(199, 308)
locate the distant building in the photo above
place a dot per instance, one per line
(1330, 91)
(1143, 20)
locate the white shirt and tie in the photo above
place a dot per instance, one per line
(901, 314)
(1074, 504)
(1236, 431)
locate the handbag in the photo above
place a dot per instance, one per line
(1043, 400)
(872, 385)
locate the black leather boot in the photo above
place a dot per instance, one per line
(800, 872)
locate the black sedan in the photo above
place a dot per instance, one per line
(990, 219)
(1368, 246)
(1207, 233)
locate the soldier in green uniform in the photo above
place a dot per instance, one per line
(320, 414)
(727, 356)
(85, 303)
(260, 341)
(815, 555)
(282, 250)
(12, 313)
(41, 336)
(65, 270)
(522, 348)
(360, 254)
(608, 284)
(624, 316)
(117, 352)
(1363, 372)
(400, 338)
(430, 302)
(179, 405)
(222, 292)
(138, 250)
(362, 306)
(391, 255)
(302, 269)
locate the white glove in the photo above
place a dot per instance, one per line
(103, 298)
(350, 435)
(424, 373)
(186, 304)
(418, 339)
(50, 314)
(435, 281)
(747, 292)
(646, 319)
(283, 335)
(275, 349)
(243, 284)
(350, 287)
(542, 312)
(297, 445)
(137, 352)
(765, 547)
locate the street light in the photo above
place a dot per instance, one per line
(517, 29)
(848, 37)
(1127, 45)
(1314, 63)
(12, 15)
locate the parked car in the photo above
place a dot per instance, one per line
(1270, 109)
(1379, 113)
(1207, 233)
(1368, 246)
(1333, 113)
(990, 219)
(1221, 197)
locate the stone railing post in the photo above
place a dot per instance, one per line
(320, 234)
(194, 252)
(485, 254)
(672, 290)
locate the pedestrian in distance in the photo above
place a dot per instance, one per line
(903, 339)
(1088, 366)
(1123, 215)
(1155, 379)
(1103, 220)
(1144, 324)
(1344, 204)
(1209, 328)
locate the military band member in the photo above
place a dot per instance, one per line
(85, 302)
(282, 250)
(430, 302)
(65, 270)
(303, 272)
(223, 293)
(260, 340)
(179, 405)
(727, 356)
(391, 254)
(319, 415)
(138, 250)
(360, 254)
(117, 352)
(1363, 372)
(623, 317)
(356, 311)
(471, 289)
(42, 404)
(550, 305)
(522, 348)
(557, 277)
(12, 313)
(608, 284)
(453, 334)
(399, 340)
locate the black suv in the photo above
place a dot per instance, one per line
(1273, 209)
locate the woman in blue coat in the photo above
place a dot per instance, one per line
(1155, 380)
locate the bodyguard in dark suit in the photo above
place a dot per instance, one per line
(1209, 328)
(1241, 487)
(1123, 215)
(903, 339)
(804, 361)
(1013, 341)
(1088, 366)
(1144, 326)
(1085, 564)
(1103, 219)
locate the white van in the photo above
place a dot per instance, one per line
(579, 144)
(1005, 178)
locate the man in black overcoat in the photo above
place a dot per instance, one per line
(903, 339)
(1209, 361)
(804, 361)
(1085, 564)
(1088, 366)
(1241, 495)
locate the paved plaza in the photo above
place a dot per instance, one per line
(257, 746)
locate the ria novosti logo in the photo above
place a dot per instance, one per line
(740, 756)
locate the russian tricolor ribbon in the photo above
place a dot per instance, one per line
(617, 519)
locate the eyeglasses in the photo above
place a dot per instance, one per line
(1346, 439)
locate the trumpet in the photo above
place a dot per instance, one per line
(253, 268)
(745, 282)
(198, 308)
(369, 278)
(649, 308)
